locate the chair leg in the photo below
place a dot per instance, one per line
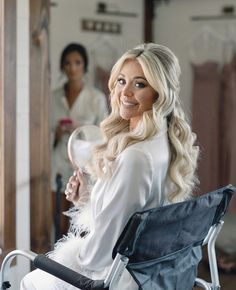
(7, 263)
(212, 257)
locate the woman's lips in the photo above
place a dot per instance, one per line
(128, 104)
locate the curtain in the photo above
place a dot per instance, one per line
(213, 120)
(205, 122)
(227, 127)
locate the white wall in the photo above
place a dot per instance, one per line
(22, 143)
(65, 27)
(173, 27)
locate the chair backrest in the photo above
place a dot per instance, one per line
(167, 240)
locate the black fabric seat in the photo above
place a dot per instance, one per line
(160, 247)
(164, 244)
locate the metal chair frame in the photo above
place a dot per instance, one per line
(119, 263)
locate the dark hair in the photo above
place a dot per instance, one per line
(74, 47)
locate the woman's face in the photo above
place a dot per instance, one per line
(74, 66)
(134, 93)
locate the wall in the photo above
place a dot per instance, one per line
(173, 27)
(67, 29)
(22, 142)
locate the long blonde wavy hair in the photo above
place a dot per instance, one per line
(161, 69)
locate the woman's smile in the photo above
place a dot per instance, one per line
(128, 104)
(134, 93)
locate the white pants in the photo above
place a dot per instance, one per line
(40, 280)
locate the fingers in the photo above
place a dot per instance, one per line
(76, 185)
(71, 191)
(69, 194)
(80, 177)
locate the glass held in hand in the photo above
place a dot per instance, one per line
(81, 143)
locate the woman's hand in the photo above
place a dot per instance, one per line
(77, 189)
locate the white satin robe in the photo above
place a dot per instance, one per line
(139, 182)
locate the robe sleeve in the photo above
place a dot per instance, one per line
(126, 191)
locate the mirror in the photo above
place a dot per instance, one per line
(105, 38)
(80, 145)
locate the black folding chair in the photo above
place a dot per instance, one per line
(160, 247)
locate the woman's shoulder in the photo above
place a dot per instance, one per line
(93, 91)
(136, 153)
(58, 91)
(154, 149)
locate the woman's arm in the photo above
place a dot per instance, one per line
(126, 191)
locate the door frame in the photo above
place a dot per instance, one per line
(40, 165)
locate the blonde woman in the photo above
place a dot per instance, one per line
(148, 159)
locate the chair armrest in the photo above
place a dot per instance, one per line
(70, 276)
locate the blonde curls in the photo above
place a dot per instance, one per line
(161, 69)
(184, 155)
(117, 136)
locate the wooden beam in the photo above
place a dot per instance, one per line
(149, 6)
(40, 193)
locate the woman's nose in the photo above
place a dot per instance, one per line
(127, 90)
(73, 67)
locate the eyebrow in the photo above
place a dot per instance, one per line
(137, 77)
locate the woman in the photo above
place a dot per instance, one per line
(75, 104)
(148, 159)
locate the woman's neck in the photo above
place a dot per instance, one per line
(72, 91)
(133, 123)
(74, 86)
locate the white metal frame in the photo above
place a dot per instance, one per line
(210, 242)
(8, 260)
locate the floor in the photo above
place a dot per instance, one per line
(227, 282)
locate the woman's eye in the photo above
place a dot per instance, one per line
(121, 81)
(140, 85)
(78, 62)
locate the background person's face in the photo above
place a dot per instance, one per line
(74, 66)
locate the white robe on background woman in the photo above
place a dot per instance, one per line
(90, 108)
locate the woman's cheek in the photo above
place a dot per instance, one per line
(117, 94)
